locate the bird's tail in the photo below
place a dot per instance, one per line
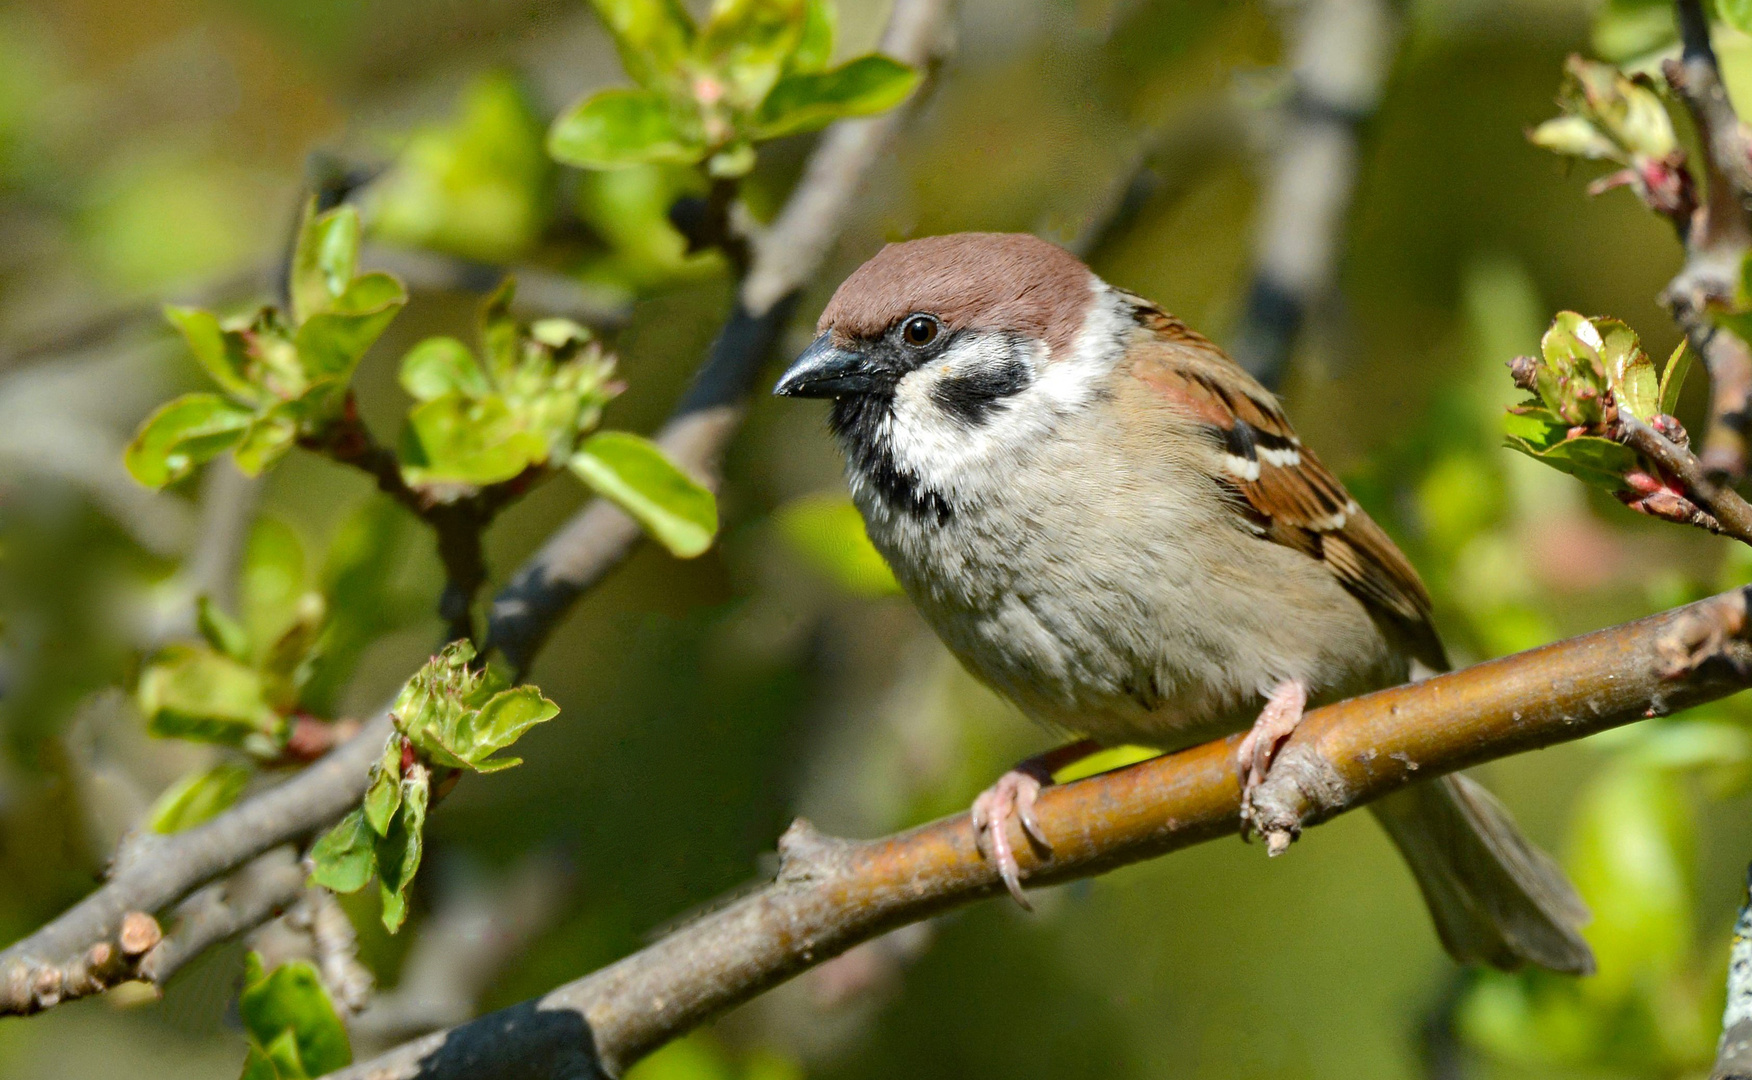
(1496, 898)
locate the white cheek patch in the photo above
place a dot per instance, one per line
(948, 454)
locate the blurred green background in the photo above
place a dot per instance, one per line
(159, 149)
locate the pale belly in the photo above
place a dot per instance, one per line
(1157, 644)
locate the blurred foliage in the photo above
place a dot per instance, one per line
(144, 146)
(479, 186)
(756, 70)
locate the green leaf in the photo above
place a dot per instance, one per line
(182, 434)
(398, 852)
(1673, 377)
(331, 343)
(828, 532)
(501, 722)
(221, 353)
(221, 630)
(1600, 462)
(198, 797)
(291, 1000)
(807, 101)
(653, 36)
(190, 692)
(287, 660)
(478, 185)
(265, 442)
(344, 858)
(1573, 136)
(748, 42)
(443, 365)
(815, 41)
(324, 261)
(383, 798)
(634, 473)
(616, 128)
(271, 587)
(453, 440)
(278, 1060)
(1629, 371)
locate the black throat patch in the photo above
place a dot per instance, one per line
(860, 422)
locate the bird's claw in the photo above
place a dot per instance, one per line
(1012, 796)
(1258, 749)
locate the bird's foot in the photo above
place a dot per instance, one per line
(1253, 758)
(1013, 796)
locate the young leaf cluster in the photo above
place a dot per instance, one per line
(293, 1030)
(530, 407)
(533, 405)
(1611, 116)
(755, 70)
(260, 683)
(450, 718)
(230, 690)
(1587, 373)
(284, 377)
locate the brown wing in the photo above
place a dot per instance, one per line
(1283, 492)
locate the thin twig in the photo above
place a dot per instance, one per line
(1726, 511)
(1716, 242)
(224, 909)
(831, 894)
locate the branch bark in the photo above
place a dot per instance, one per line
(153, 872)
(1734, 1053)
(1707, 503)
(831, 894)
(1716, 242)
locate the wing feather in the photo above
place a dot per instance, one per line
(1283, 492)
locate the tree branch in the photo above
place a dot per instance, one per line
(1340, 51)
(153, 872)
(831, 894)
(1706, 503)
(1716, 241)
(1734, 1052)
(785, 259)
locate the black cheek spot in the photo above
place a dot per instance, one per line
(972, 399)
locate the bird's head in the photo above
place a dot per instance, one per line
(949, 357)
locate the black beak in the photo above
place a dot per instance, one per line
(824, 370)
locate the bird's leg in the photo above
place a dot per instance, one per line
(1253, 758)
(1013, 797)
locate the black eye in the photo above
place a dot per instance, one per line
(919, 331)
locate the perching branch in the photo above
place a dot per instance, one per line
(831, 894)
(785, 259)
(1716, 242)
(154, 872)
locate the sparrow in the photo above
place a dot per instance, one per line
(1115, 527)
